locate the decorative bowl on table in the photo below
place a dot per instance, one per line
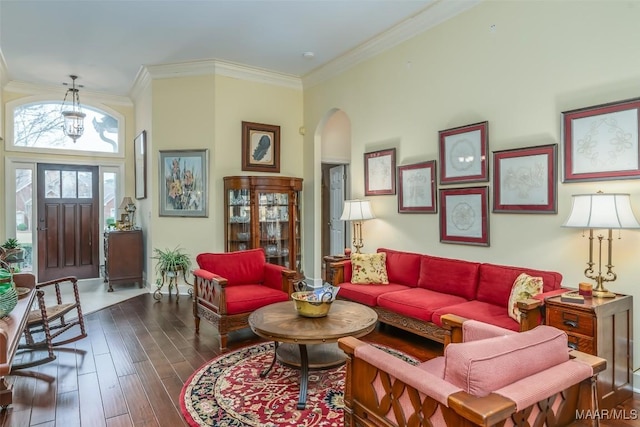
(315, 303)
(244, 235)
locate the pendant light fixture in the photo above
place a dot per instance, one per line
(73, 118)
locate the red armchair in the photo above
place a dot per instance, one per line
(230, 286)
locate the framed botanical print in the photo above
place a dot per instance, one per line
(601, 142)
(464, 216)
(183, 183)
(260, 147)
(525, 180)
(463, 154)
(379, 172)
(416, 188)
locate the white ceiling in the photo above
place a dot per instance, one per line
(106, 42)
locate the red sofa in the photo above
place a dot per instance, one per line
(422, 288)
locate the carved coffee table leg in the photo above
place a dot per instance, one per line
(266, 371)
(304, 376)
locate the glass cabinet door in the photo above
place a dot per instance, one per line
(273, 217)
(239, 225)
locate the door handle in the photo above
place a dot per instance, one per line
(42, 228)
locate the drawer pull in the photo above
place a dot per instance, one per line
(571, 323)
(573, 345)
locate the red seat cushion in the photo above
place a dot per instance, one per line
(366, 294)
(239, 268)
(478, 310)
(417, 302)
(247, 298)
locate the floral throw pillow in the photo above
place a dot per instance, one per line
(369, 268)
(524, 287)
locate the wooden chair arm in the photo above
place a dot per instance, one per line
(216, 298)
(57, 282)
(598, 364)
(531, 314)
(483, 411)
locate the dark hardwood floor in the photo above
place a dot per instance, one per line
(130, 370)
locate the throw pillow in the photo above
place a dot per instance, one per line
(524, 287)
(369, 268)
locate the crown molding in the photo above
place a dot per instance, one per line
(215, 67)
(140, 83)
(59, 91)
(438, 12)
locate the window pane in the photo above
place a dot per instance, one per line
(84, 185)
(24, 220)
(69, 184)
(52, 184)
(109, 186)
(39, 125)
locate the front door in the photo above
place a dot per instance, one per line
(68, 221)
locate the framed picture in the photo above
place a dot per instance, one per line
(601, 142)
(379, 172)
(464, 216)
(463, 154)
(260, 147)
(140, 164)
(416, 188)
(525, 180)
(183, 183)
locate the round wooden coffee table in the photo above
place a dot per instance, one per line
(281, 323)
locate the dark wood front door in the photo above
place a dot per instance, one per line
(68, 221)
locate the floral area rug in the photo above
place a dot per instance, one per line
(228, 391)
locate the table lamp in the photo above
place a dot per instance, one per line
(357, 211)
(601, 211)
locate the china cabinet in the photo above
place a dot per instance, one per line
(123, 257)
(264, 212)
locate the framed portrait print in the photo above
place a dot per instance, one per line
(463, 154)
(183, 183)
(464, 216)
(260, 147)
(416, 188)
(601, 142)
(140, 164)
(525, 180)
(379, 172)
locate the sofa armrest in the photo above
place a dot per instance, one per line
(460, 329)
(279, 278)
(209, 288)
(532, 309)
(489, 410)
(339, 273)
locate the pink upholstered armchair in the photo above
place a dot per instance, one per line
(229, 286)
(495, 377)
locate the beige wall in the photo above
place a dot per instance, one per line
(207, 112)
(545, 57)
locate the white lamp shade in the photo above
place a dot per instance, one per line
(125, 202)
(601, 211)
(356, 210)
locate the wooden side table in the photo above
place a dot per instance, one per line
(602, 327)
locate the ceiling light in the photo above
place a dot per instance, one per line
(73, 125)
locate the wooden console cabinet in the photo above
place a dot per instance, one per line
(602, 327)
(123, 257)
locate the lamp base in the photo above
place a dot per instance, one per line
(603, 294)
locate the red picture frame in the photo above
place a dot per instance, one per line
(463, 154)
(464, 216)
(525, 180)
(379, 172)
(601, 142)
(417, 187)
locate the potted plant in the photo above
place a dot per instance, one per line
(171, 261)
(13, 252)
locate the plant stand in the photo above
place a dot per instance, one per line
(171, 278)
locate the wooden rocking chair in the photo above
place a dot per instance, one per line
(52, 320)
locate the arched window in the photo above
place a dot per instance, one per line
(37, 126)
